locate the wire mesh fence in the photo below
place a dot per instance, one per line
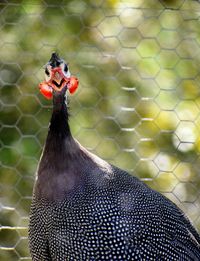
(137, 106)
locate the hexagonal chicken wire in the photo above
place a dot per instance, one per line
(137, 105)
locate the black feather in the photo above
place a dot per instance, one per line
(55, 60)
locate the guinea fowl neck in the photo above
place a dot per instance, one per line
(59, 126)
(56, 175)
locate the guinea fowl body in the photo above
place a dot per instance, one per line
(84, 209)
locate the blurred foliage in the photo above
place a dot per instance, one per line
(137, 105)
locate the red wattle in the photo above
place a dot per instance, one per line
(46, 90)
(73, 84)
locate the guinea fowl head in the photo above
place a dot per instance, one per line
(58, 78)
(57, 71)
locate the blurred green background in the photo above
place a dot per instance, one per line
(137, 105)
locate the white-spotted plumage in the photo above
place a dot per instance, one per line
(122, 219)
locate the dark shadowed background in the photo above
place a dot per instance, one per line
(137, 105)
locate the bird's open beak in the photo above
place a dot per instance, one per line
(58, 80)
(58, 77)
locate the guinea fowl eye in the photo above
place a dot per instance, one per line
(47, 72)
(66, 68)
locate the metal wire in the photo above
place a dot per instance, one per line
(137, 106)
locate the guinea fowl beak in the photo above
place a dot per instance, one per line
(57, 74)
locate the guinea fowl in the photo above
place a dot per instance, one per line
(83, 208)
